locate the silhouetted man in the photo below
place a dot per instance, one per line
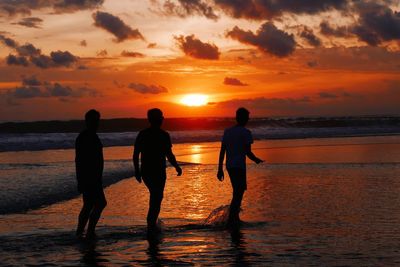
(89, 164)
(236, 142)
(154, 145)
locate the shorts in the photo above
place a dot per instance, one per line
(238, 178)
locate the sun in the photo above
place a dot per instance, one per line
(194, 100)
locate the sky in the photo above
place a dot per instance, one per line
(60, 58)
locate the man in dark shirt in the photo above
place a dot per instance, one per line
(153, 145)
(89, 164)
(236, 143)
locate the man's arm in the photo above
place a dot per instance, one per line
(251, 155)
(78, 164)
(220, 174)
(135, 158)
(171, 158)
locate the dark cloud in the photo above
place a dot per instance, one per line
(63, 58)
(116, 26)
(57, 89)
(28, 50)
(308, 35)
(131, 54)
(26, 92)
(56, 59)
(328, 30)
(13, 8)
(377, 23)
(31, 81)
(17, 60)
(32, 87)
(83, 43)
(102, 53)
(152, 45)
(25, 7)
(41, 61)
(76, 5)
(268, 39)
(147, 89)
(234, 81)
(266, 9)
(29, 53)
(8, 41)
(195, 48)
(186, 8)
(85, 91)
(31, 22)
(327, 95)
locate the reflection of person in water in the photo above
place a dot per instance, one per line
(154, 145)
(89, 164)
(236, 143)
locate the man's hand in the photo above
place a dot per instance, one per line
(258, 161)
(138, 176)
(178, 170)
(220, 174)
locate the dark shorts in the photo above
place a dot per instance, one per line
(238, 178)
(94, 196)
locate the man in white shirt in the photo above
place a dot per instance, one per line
(236, 143)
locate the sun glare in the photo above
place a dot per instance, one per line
(194, 100)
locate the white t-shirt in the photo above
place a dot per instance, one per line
(236, 139)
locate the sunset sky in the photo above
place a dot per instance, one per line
(59, 58)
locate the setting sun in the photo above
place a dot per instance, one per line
(194, 100)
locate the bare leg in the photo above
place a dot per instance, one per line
(99, 206)
(83, 217)
(156, 197)
(235, 206)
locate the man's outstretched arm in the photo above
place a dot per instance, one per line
(171, 158)
(220, 174)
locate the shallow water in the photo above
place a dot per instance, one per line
(335, 211)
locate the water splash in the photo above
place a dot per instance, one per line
(218, 217)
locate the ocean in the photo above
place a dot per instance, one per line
(317, 200)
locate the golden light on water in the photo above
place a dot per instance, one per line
(194, 100)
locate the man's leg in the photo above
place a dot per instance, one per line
(239, 185)
(235, 205)
(84, 215)
(155, 183)
(156, 197)
(99, 204)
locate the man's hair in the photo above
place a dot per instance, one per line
(242, 115)
(92, 115)
(155, 115)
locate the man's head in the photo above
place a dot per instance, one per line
(155, 117)
(92, 118)
(242, 116)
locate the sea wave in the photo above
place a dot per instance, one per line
(45, 141)
(30, 186)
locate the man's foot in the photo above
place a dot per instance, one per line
(91, 236)
(79, 234)
(233, 224)
(153, 229)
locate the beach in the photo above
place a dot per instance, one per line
(314, 202)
